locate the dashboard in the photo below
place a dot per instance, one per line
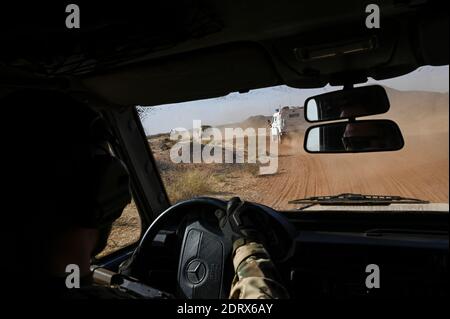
(338, 254)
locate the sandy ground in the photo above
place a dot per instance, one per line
(420, 170)
(125, 231)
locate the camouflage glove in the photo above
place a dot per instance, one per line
(241, 222)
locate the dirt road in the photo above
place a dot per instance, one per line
(420, 170)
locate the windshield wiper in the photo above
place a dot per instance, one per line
(356, 199)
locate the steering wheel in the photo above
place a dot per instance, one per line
(204, 267)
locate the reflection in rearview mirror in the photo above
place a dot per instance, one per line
(354, 137)
(348, 103)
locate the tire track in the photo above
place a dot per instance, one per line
(420, 171)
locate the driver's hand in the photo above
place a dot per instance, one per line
(255, 273)
(241, 222)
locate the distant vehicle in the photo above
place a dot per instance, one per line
(285, 121)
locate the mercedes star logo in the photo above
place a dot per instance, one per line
(196, 271)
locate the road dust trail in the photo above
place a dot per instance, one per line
(420, 170)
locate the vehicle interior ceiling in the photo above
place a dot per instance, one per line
(197, 49)
(177, 51)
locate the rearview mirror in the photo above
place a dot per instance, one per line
(354, 137)
(348, 103)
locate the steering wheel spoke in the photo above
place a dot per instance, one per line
(204, 265)
(201, 272)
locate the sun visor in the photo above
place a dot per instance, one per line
(198, 75)
(433, 39)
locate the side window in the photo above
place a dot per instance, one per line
(125, 231)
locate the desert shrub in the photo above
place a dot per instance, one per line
(188, 184)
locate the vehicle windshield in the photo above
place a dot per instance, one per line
(251, 145)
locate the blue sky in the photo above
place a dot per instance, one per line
(237, 107)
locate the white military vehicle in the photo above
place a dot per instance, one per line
(285, 121)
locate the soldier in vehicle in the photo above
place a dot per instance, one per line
(79, 189)
(368, 136)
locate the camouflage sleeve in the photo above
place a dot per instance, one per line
(256, 276)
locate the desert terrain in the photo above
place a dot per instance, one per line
(419, 170)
